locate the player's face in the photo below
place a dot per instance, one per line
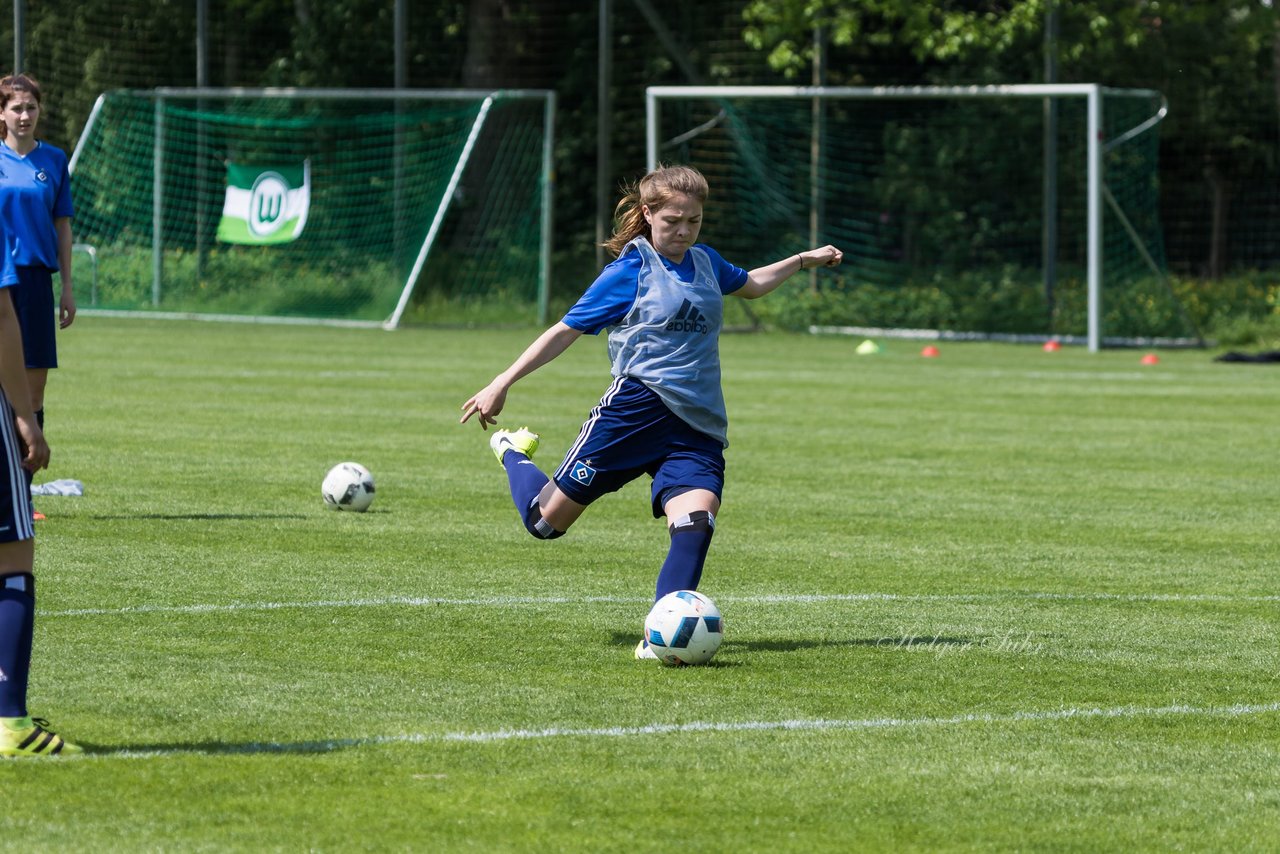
(674, 226)
(21, 115)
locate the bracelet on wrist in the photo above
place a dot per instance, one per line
(801, 257)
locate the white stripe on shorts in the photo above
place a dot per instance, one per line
(12, 450)
(585, 432)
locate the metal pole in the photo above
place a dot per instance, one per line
(604, 130)
(202, 43)
(400, 81)
(651, 128)
(1049, 217)
(157, 202)
(19, 35)
(548, 208)
(202, 142)
(817, 120)
(1095, 218)
(401, 26)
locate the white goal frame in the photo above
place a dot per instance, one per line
(1096, 192)
(484, 96)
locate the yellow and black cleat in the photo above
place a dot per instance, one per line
(32, 737)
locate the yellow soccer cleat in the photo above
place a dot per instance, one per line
(644, 652)
(32, 737)
(522, 441)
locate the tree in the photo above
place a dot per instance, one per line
(1215, 62)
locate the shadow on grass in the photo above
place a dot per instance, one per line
(219, 748)
(904, 642)
(936, 642)
(199, 517)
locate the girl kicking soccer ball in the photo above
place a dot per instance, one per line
(662, 302)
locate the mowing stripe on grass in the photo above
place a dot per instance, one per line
(780, 598)
(801, 725)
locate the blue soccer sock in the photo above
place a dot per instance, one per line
(690, 539)
(527, 482)
(17, 625)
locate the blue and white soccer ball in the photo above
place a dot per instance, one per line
(684, 627)
(348, 486)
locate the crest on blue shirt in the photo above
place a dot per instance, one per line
(42, 175)
(582, 473)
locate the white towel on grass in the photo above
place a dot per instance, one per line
(65, 486)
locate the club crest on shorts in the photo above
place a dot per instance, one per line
(582, 473)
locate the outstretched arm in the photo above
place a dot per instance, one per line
(763, 280)
(488, 402)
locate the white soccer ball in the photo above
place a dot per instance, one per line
(684, 627)
(348, 486)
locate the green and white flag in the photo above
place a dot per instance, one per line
(264, 204)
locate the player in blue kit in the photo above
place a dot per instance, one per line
(22, 448)
(664, 414)
(35, 204)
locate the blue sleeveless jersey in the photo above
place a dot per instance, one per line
(670, 339)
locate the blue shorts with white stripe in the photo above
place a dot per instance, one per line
(631, 433)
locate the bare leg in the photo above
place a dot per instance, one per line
(37, 379)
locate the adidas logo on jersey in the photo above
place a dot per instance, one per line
(688, 319)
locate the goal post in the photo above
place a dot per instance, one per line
(936, 194)
(343, 206)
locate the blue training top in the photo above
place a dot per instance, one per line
(34, 191)
(664, 324)
(613, 293)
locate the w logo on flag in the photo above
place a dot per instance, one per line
(688, 319)
(268, 206)
(265, 204)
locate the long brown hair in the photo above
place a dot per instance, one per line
(653, 190)
(10, 86)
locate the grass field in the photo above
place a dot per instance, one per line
(999, 600)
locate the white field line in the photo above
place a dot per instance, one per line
(697, 727)
(536, 601)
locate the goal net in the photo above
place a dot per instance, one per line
(962, 211)
(345, 206)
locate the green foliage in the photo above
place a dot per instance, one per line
(1009, 299)
(1235, 310)
(252, 281)
(1241, 331)
(1214, 61)
(236, 280)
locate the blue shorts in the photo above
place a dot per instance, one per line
(632, 432)
(15, 496)
(33, 303)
